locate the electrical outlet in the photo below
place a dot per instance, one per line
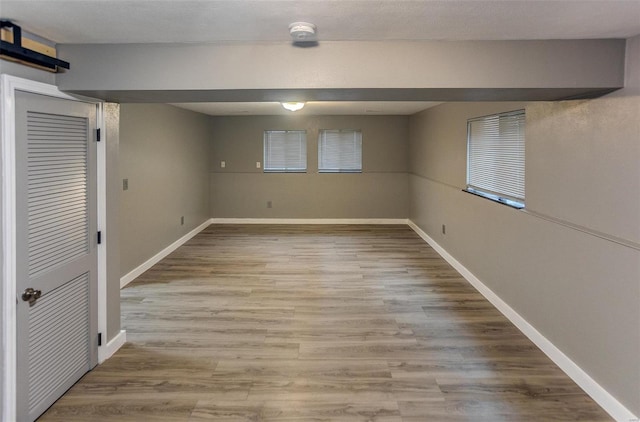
(257, 164)
(125, 184)
(444, 229)
(269, 204)
(223, 164)
(182, 220)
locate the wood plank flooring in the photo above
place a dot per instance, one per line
(314, 323)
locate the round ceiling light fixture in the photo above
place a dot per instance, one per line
(293, 106)
(302, 32)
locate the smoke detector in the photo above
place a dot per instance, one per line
(302, 32)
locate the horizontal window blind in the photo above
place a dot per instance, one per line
(340, 151)
(496, 156)
(285, 151)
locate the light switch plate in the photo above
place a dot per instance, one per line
(223, 164)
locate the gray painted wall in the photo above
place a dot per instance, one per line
(164, 153)
(242, 190)
(112, 232)
(572, 270)
(247, 72)
(22, 71)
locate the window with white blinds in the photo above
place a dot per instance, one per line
(340, 151)
(285, 151)
(495, 157)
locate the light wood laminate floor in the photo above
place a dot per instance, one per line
(313, 323)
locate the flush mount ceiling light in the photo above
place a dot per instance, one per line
(293, 106)
(302, 32)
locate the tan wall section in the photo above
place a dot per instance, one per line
(23, 71)
(164, 153)
(565, 270)
(583, 163)
(240, 190)
(449, 65)
(113, 185)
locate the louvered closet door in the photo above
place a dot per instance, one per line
(56, 247)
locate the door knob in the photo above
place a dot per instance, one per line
(31, 295)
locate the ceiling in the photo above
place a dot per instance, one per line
(312, 108)
(184, 21)
(215, 21)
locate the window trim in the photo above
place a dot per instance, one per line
(514, 202)
(265, 169)
(338, 170)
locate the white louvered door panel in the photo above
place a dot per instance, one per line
(59, 328)
(57, 168)
(56, 247)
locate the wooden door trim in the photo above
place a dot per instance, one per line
(8, 87)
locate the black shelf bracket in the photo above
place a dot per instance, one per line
(17, 51)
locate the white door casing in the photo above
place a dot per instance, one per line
(10, 86)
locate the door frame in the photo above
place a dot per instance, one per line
(8, 87)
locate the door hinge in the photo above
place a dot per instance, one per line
(99, 339)
(98, 135)
(99, 238)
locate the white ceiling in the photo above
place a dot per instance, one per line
(185, 21)
(206, 21)
(315, 108)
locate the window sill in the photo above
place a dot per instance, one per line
(496, 198)
(284, 171)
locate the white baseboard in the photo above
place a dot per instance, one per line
(106, 351)
(601, 396)
(308, 221)
(132, 275)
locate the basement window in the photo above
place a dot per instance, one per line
(340, 151)
(495, 157)
(285, 151)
